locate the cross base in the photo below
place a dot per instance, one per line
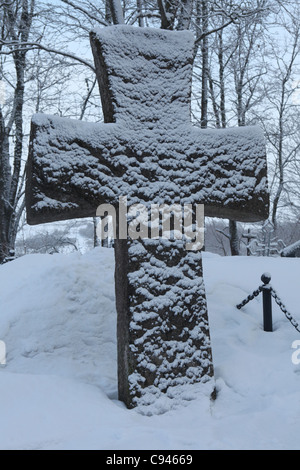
(163, 331)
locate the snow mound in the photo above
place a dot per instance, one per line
(59, 387)
(50, 318)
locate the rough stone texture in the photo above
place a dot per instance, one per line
(149, 151)
(169, 342)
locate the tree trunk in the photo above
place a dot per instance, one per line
(5, 178)
(116, 11)
(234, 238)
(16, 26)
(222, 80)
(204, 54)
(167, 10)
(108, 15)
(280, 150)
(139, 6)
(96, 239)
(276, 202)
(185, 16)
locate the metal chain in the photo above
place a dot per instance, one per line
(250, 297)
(279, 302)
(284, 310)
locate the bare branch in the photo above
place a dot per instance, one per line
(90, 91)
(26, 46)
(146, 14)
(212, 31)
(85, 12)
(223, 233)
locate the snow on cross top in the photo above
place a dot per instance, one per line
(149, 73)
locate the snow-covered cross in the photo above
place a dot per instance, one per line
(148, 151)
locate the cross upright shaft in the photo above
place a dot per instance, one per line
(149, 151)
(136, 77)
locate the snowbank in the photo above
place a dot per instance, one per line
(59, 387)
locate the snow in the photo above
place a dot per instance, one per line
(149, 75)
(192, 168)
(291, 250)
(59, 387)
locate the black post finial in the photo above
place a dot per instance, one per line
(266, 278)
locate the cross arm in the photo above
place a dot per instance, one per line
(74, 167)
(70, 168)
(229, 172)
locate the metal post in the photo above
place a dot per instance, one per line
(267, 302)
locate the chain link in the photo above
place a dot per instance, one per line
(279, 302)
(284, 310)
(250, 297)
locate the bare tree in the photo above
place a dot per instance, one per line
(234, 76)
(35, 67)
(281, 116)
(42, 51)
(16, 22)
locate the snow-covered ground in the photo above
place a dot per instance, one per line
(59, 387)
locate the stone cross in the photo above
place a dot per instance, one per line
(148, 151)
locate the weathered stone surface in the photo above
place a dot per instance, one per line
(162, 309)
(149, 151)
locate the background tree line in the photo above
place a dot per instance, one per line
(246, 71)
